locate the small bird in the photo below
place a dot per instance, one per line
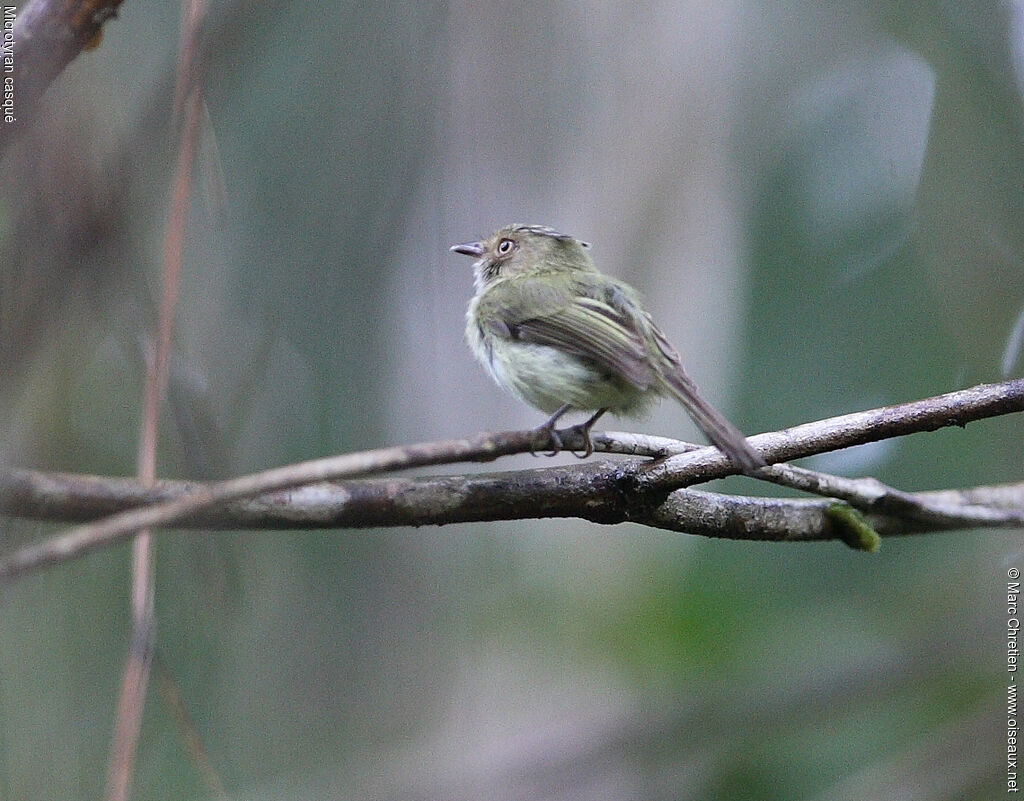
(560, 335)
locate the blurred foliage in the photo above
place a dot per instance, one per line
(823, 205)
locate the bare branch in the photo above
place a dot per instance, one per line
(930, 414)
(587, 491)
(635, 489)
(981, 506)
(47, 35)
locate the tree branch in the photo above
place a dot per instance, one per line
(47, 35)
(634, 489)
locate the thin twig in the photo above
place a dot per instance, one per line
(128, 722)
(951, 508)
(170, 694)
(929, 414)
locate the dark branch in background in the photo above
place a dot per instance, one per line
(48, 35)
(636, 489)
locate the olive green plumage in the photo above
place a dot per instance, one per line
(560, 335)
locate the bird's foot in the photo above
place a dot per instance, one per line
(555, 437)
(545, 434)
(583, 430)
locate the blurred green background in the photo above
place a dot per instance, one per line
(823, 205)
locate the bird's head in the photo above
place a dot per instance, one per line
(524, 249)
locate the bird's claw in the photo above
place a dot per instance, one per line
(583, 429)
(548, 433)
(555, 437)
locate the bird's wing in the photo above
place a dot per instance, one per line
(589, 318)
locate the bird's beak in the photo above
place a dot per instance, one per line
(475, 249)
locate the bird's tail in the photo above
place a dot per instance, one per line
(721, 432)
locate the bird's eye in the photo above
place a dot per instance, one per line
(506, 246)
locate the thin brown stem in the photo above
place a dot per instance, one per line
(128, 722)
